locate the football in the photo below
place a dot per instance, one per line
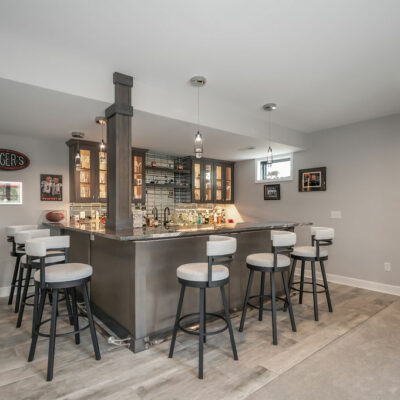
(54, 216)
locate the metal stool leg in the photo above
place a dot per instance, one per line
(19, 289)
(205, 321)
(24, 295)
(91, 323)
(69, 308)
(287, 291)
(14, 280)
(75, 315)
(261, 302)
(328, 297)
(314, 285)
(201, 333)
(303, 267)
(52, 340)
(37, 318)
(228, 319)
(178, 315)
(291, 279)
(273, 306)
(246, 299)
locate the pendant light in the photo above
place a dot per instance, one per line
(269, 107)
(78, 135)
(198, 82)
(102, 121)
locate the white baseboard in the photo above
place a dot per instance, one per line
(359, 283)
(5, 291)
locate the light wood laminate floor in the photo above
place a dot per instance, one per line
(353, 353)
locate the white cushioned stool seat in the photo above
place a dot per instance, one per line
(198, 272)
(48, 260)
(267, 260)
(65, 272)
(309, 251)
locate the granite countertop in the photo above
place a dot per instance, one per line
(174, 231)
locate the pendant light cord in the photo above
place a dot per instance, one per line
(198, 106)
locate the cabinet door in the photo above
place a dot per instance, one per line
(219, 183)
(85, 176)
(229, 183)
(102, 176)
(208, 173)
(138, 176)
(196, 181)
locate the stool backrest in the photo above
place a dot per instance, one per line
(283, 238)
(22, 237)
(321, 236)
(282, 243)
(37, 249)
(13, 229)
(220, 249)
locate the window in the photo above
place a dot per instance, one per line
(280, 170)
(10, 192)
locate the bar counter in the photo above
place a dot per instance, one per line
(134, 289)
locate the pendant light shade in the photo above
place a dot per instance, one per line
(270, 157)
(198, 145)
(198, 81)
(77, 161)
(102, 148)
(269, 107)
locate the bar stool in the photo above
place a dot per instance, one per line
(220, 251)
(320, 236)
(277, 261)
(50, 280)
(15, 252)
(53, 257)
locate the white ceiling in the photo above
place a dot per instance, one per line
(27, 110)
(326, 63)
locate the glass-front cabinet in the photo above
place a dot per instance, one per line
(196, 173)
(212, 181)
(228, 183)
(102, 176)
(219, 183)
(208, 181)
(83, 175)
(138, 176)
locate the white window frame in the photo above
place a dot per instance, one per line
(257, 164)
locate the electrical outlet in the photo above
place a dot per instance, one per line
(387, 266)
(336, 214)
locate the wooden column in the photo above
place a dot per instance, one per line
(119, 155)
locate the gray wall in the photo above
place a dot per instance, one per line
(46, 156)
(363, 182)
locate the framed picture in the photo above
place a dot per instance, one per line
(272, 192)
(51, 187)
(10, 193)
(312, 179)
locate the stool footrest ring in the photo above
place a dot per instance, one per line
(196, 332)
(265, 308)
(308, 291)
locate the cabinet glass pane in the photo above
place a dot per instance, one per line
(218, 183)
(103, 175)
(208, 182)
(84, 174)
(137, 177)
(197, 182)
(228, 183)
